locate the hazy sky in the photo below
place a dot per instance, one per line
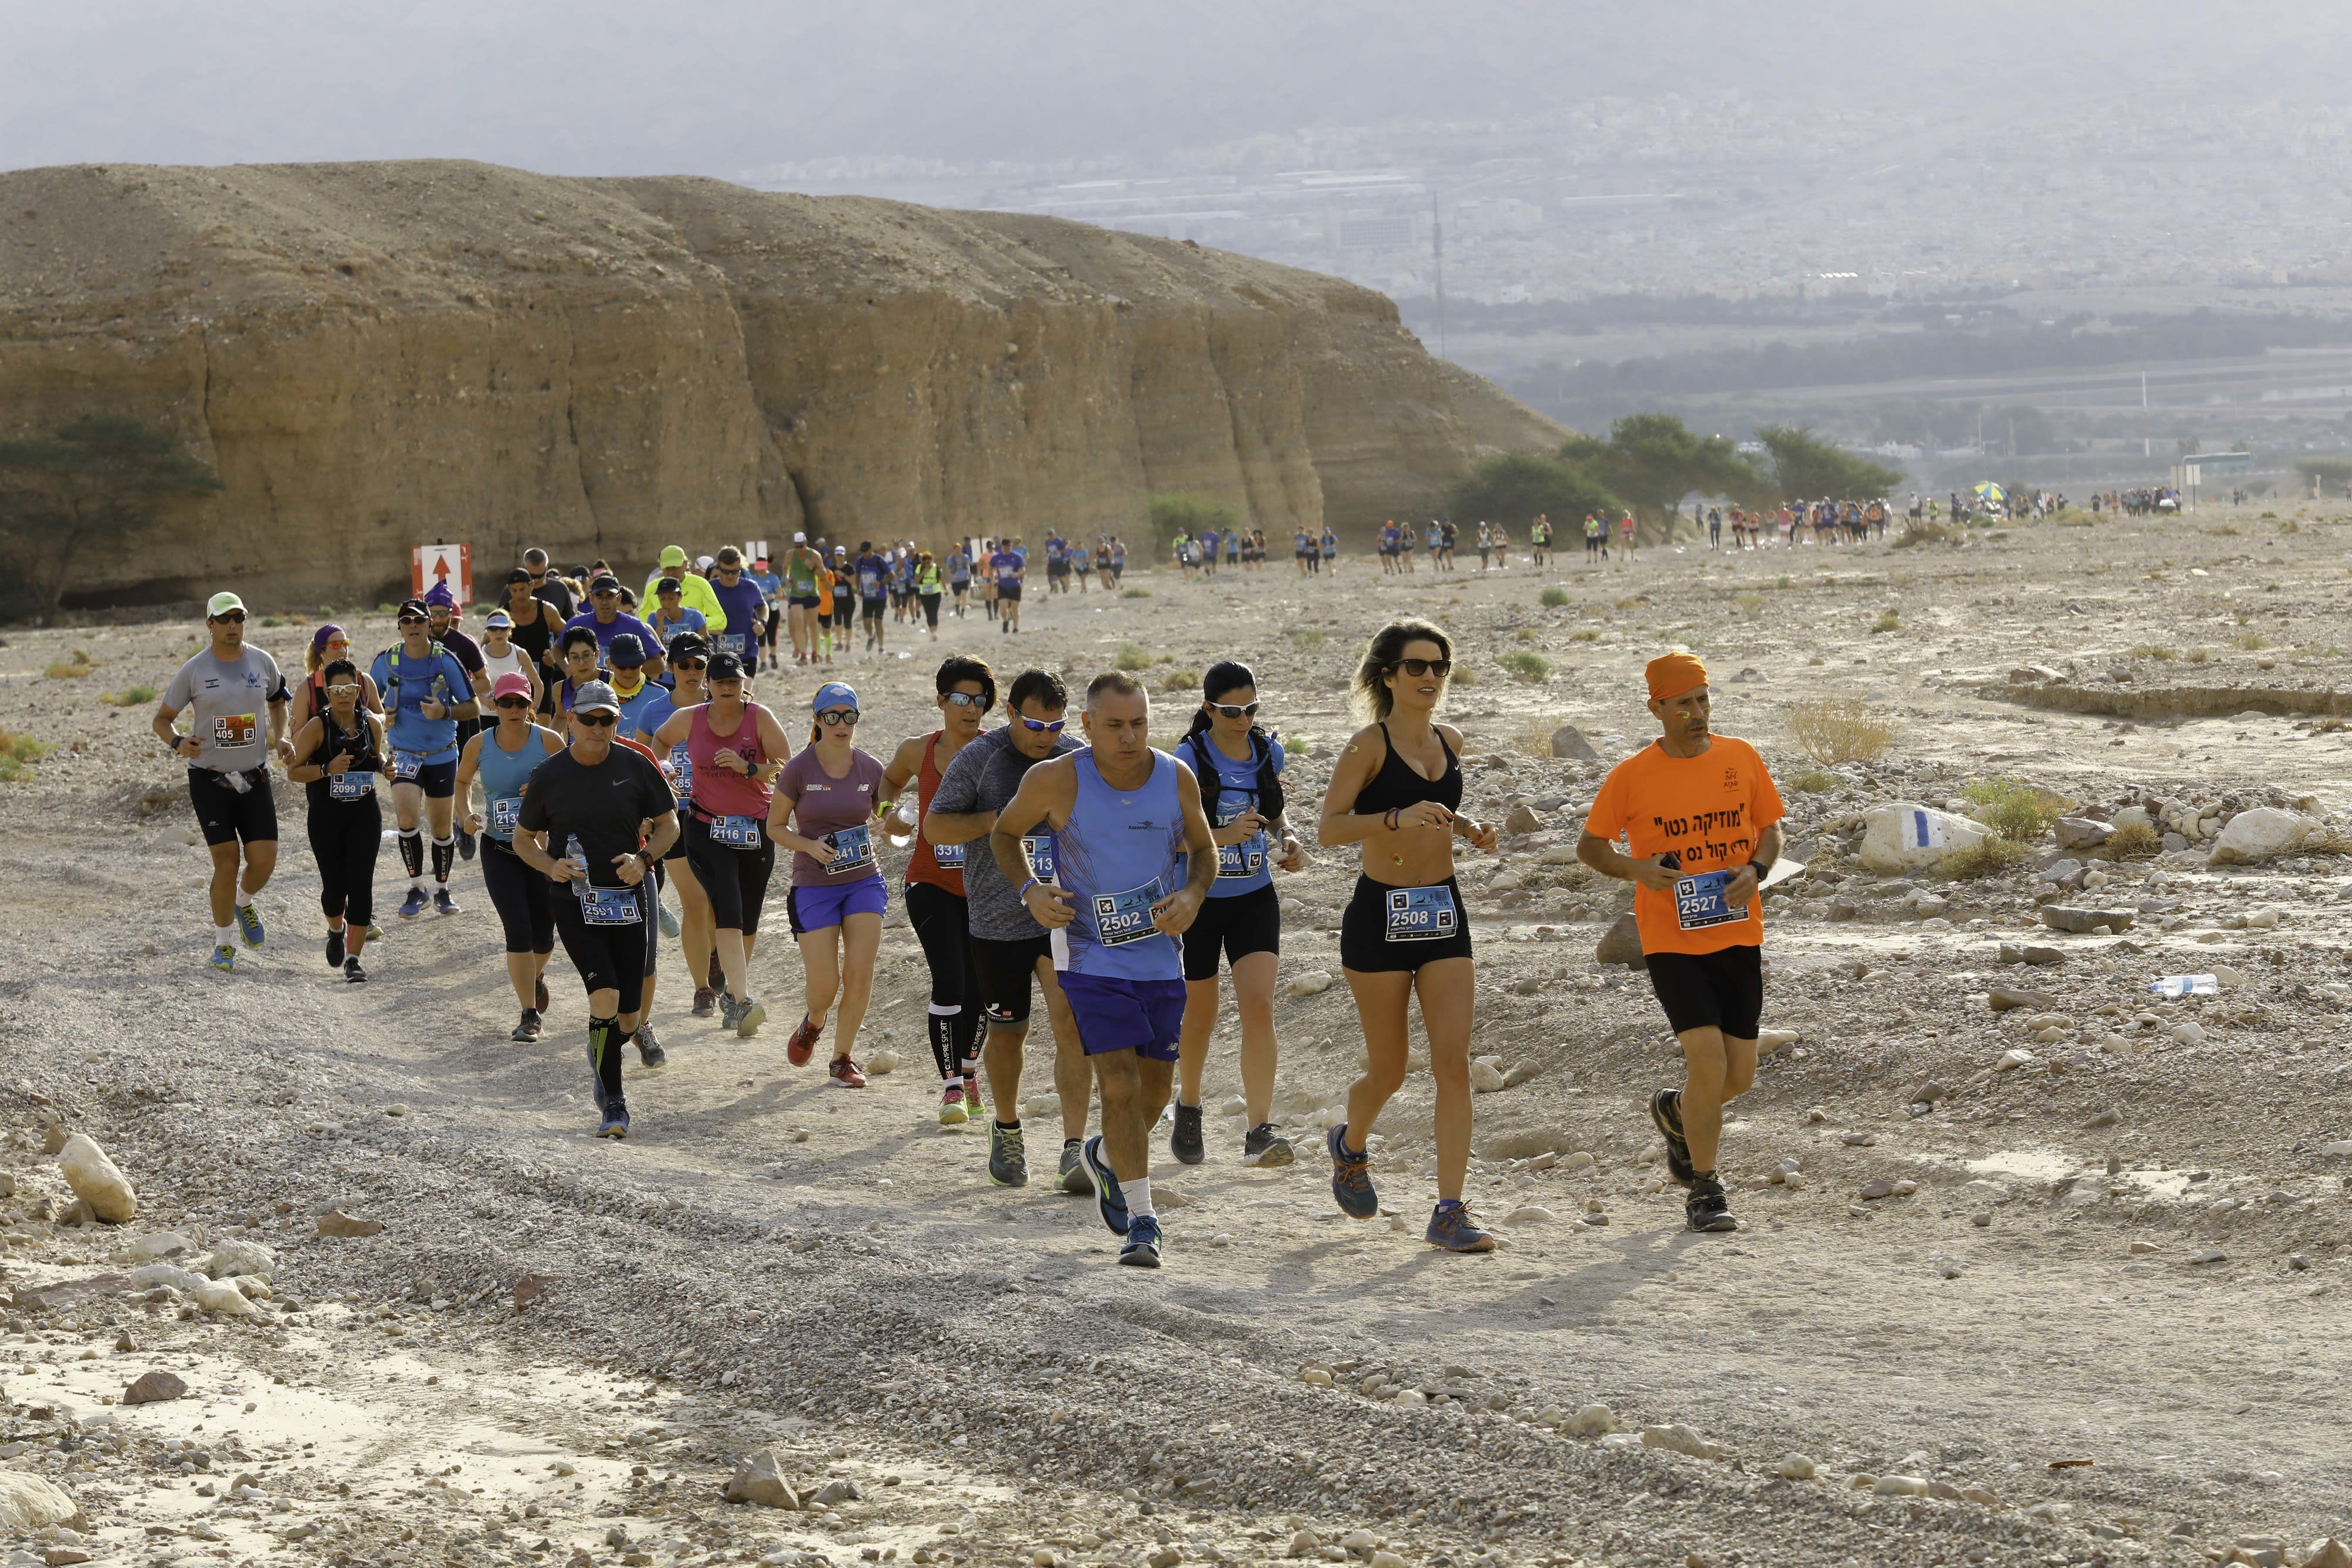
(717, 87)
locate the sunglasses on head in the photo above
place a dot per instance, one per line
(844, 717)
(1438, 667)
(967, 699)
(596, 720)
(1041, 725)
(513, 702)
(236, 615)
(1233, 710)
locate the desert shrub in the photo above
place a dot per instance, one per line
(1986, 857)
(1585, 636)
(67, 670)
(1180, 680)
(1135, 593)
(1553, 597)
(129, 696)
(2156, 651)
(17, 752)
(1307, 636)
(1888, 620)
(2135, 842)
(1526, 664)
(1832, 730)
(1133, 656)
(1814, 780)
(2198, 655)
(1750, 604)
(2251, 641)
(2015, 810)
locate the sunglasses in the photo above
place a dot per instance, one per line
(344, 690)
(404, 621)
(1040, 726)
(844, 718)
(236, 615)
(596, 720)
(1233, 710)
(968, 699)
(695, 665)
(1441, 668)
(539, 576)
(339, 642)
(606, 593)
(505, 702)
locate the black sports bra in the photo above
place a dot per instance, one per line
(1397, 785)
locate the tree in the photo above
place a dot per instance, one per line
(88, 488)
(1803, 466)
(1653, 460)
(1172, 514)
(2329, 473)
(1513, 487)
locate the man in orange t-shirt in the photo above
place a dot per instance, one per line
(1703, 820)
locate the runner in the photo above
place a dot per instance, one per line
(1445, 536)
(441, 611)
(959, 577)
(770, 584)
(672, 618)
(934, 900)
(1486, 545)
(689, 661)
(503, 758)
(306, 699)
(501, 656)
(1715, 528)
(1702, 835)
(1118, 560)
(1502, 534)
(734, 746)
(1302, 551)
(694, 588)
(594, 801)
(745, 611)
(1057, 562)
(927, 588)
(1330, 549)
(845, 602)
(1009, 948)
(548, 585)
(1122, 814)
(1595, 547)
(1397, 790)
(426, 692)
(338, 753)
(535, 624)
(1238, 767)
(1540, 538)
(873, 590)
(987, 577)
(579, 653)
(625, 663)
(1008, 568)
(606, 620)
(831, 792)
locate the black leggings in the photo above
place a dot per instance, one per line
(344, 838)
(932, 609)
(521, 896)
(942, 924)
(609, 957)
(736, 880)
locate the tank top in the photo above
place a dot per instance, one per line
(503, 774)
(719, 793)
(1397, 785)
(513, 661)
(941, 865)
(534, 639)
(1116, 858)
(354, 788)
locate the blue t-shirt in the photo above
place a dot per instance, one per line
(1057, 550)
(873, 577)
(958, 568)
(407, 685)
(622, 622)
(745, 608)
(634, 708)
(689, 619)
(1246, 866)
(649, 719)
(1007, 566)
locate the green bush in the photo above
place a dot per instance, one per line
(1526, 664)
(1554, 597)
(1814, 780)
(1133, 656)
(129, 696)
(1172, 514)
(2018, 811)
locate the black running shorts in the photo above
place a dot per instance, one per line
(228, 816)
(1233, 927)
(1723, 990)
(1007, 972)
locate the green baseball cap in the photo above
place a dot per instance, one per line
(221, 603)
(672, 555)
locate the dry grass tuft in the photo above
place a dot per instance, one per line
(2135, 842)
(1832, 730)
(1986, 857)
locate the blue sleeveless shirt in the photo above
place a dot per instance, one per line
(1116, 858)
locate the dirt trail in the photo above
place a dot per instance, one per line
(769, 1262)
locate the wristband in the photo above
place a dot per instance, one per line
(1388, 818)
(1026, 886)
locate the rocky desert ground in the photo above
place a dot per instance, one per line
(2037, 1267)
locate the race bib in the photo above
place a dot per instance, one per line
(735, 832)
(405, 766)
(681, 770)
(948, 856)
(236, 729)
(731, 643)
(1039, 847)
(609, 906)
(506, 814)
(1245, 858)
(1124, 917)
(1422, 913)
(349, 786)
(852, 849)
(1698, 901)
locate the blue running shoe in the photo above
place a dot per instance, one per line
(222, 961)
(414, 904)
(596, 1077)
(248, 926)
(1143, 1243)
(1352, 1176)
(444, 903)
(1110, 1201)
(615, 1123)
(1452, 1227)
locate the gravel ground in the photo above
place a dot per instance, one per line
(2087, 1306)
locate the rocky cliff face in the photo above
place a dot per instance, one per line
(375, 356)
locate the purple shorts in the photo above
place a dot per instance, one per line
(1141, 1015)
(814, 908)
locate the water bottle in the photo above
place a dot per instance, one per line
(2172, 986)
(899, 823)
(578, 855)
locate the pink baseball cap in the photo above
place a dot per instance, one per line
(512, 685)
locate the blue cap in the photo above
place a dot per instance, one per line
(832, 693)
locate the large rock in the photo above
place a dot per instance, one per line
(95, 1180)
(154, 1388)
(1905, 836)
(2252, 837)
(1621, 944)
(759, 1480)
(2080, 832)
(2066, 917)
(28, 1502)
(1568, 742)
(604, 366)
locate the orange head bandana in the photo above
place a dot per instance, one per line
(1672, 675)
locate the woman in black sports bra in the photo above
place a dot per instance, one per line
(1397, 790)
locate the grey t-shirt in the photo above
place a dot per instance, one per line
(227, 707)
(984, 777)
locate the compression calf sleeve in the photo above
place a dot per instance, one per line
(445, 853)
(412, 851)
(942, 1021)
(604, 1042)
(967, 1038)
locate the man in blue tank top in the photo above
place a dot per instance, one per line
(1123, 815)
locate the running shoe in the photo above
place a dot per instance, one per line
(1264, 1147)
(248, 926)
(1073, 1177)
(952, 1111)
(729, 1010)
(845, 1074)
(465, 844)
(375, 933)
(1452, 1227)
(335, 948)
(1352, 1176)
(706, 1002)
(972, 1105)
(414, 904)
(538, 995)
(649, 1047)
(1667, 1115)
(528, 1029)
(1707, 1208)
(1184, 1143)
(1110, 1201)
(223, 959)
(615, 1123)
(748, 1016)
(353, 973)
(803, 1045)
(595, 1078)
(444, 903)
(668, 918)
(1008, 1156)
(1143, 1243)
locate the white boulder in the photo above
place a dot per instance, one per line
(1905, 836)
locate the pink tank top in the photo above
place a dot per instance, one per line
(725, 794)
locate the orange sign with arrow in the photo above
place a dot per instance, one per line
(450, 564)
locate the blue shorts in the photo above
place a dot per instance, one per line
(814, 908)
(1141, 1015)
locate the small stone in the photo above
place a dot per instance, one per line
(96, 1181)
(2067, 917)
(1522, 820)
(1317, 1377)
(54, 1137)
(162, 1244)
(1313, 983)
(1528, 1214)
(1680, 1439)
(1307, 1543)
(1899, 1486)
(1592, 1421)
(2010, 1061)
(1622, 944)
(2033, 953)
(1858, 1140)
(2106, 1118)
(1983, 1496)
(153, 1388)
(335, 1222)
(1567, 744)
(2188, 1032)
(2142, 1249)
(1358, 1540)
(1794, 1467)
(2208, 1255)
(1485, 1077)
(1873, 1190)
(222, 1297)
(1981, 1218)
(2002, 1000)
